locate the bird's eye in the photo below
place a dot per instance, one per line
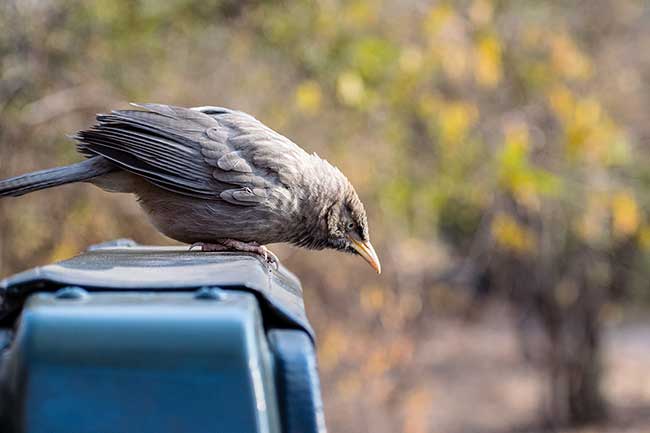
(350, 226)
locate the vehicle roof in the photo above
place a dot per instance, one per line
(125, 265)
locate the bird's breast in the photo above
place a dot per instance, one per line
(190, 220)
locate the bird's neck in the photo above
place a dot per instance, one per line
(322, 188)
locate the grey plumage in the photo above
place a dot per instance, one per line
(210, 174)
(48, 178)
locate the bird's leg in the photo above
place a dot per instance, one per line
(252, 247)
(232, 244)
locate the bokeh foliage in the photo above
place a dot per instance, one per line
(473, 129)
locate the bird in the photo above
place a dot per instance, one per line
(217, 179)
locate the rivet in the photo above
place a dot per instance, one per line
(210, 294)
(71, 292)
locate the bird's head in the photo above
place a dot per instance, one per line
(347, 227)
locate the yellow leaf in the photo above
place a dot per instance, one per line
(562, 102)
(588, 112)
(644, 237)
(410, 59)
(308, 97)
(350, 88)
(567, 58)
(625, 214)
(359, 13)
(488, 70)
(517, 137)
(438, 17)
(512, 236)
(64, 250)
(455, 119)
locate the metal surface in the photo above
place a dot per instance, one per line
(126, 338)
(296, 378)
(129, 266)
(139, 362)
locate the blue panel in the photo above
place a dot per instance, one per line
(127, 266)
(142, 362)
(301, 407)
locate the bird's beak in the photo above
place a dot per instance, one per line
(365, 250)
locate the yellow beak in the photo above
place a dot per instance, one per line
(365, 249)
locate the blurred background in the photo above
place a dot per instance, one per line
(500, 147)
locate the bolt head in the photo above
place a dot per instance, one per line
(210, 294)
(71, 292)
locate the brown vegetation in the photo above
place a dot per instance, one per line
(500, 146)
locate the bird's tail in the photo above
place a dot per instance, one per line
(84, 170)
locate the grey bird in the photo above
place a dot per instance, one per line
(217, 179)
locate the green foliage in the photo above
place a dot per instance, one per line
(511, 132)
(459, 104)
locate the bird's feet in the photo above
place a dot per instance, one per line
(235, 245)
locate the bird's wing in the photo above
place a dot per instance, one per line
(210, 153)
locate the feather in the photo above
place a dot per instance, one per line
(239, 178)
(234, 161)
(197, 152)
(240, 197)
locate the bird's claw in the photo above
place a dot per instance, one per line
(234, 245)
(269, 257)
